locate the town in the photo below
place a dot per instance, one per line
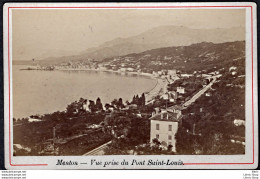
(191, 110)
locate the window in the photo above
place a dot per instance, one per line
(157, 126)
(170, 137)
(170, 127)
(157, 136)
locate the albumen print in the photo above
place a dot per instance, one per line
(112, 86)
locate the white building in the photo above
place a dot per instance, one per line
(186, 75)
(232, 68)
(208, 94)
(34, 120)
(122, 70)
(233, 73)
(111, 108)
(239, 122)
(130, 69)
(172, 73)
(86, 106)
(164, 126)
(180, 90)
(172, 100)
(155, 74)
(167, 58)
(170, 95)
(156, 111)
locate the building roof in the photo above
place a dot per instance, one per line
(172, 117)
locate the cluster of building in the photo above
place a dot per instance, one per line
(172, 96)
(233, 70)
(38, 67)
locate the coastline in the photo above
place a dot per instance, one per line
(110, 71)
(158, 89)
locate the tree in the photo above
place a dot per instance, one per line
(26, 120)
(137, 100)
(142, 100)
(107, 106)
(156, 147)
(127, 102)
(92, 106)
(70, 108)
(99, 105)
(156, 141)
(81, 100)
(170, 148)
(114, 102)
(120, 103)
(133, 100)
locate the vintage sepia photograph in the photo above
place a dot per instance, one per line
(129, 82)
(110, 82)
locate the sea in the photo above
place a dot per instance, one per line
(41, 92)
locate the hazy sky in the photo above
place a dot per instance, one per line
(41, 31)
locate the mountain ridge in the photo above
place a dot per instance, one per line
(158, 37)
(166, 36)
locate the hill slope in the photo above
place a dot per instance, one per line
(201, 56)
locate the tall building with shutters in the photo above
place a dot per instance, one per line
(164, 126)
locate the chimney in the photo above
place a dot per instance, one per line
(157, 110)
(153, 114)
(167, 116)
(161, 115)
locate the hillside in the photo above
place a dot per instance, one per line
(201, 56)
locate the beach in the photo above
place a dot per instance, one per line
(159, 89)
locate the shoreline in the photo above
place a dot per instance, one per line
(110, 71)
(159, 89)
(150, 94)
